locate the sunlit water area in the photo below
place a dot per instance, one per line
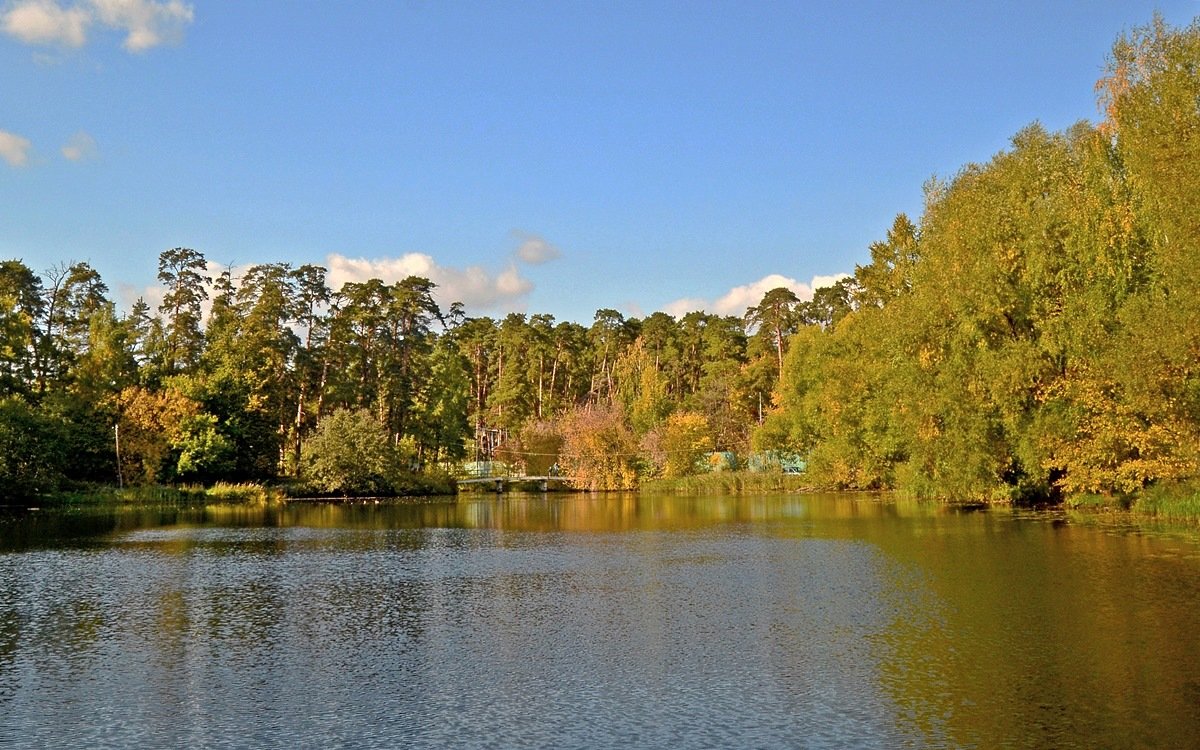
(611, 621)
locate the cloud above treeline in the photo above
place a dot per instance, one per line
(14, 149)
(534, 249)
(477, 287)
(739, 298)
(481, 289)
(145, 23)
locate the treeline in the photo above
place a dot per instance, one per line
(365, 389)
(1036, 332)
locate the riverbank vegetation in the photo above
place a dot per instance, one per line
(729, 483)
(1034, 335)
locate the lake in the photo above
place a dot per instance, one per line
(611, 621)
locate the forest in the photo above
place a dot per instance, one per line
(1033, 335)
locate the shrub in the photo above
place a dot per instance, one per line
(350, 454)
(600, 451)
(32, 450)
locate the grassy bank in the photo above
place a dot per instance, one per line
(245, 493)
(1177, 501)
(1180, 502)
(221, 492)
(728, 483)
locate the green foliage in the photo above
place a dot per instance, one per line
(1037, 333)
(351, 454)
(204, 453)
(440, 427)
(21, 306)
(181, 272)
(33, 455)
(85, 433)
(775, 317)
(242, 429)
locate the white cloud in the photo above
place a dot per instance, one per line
(45, 22)
(14, 149)
(474, 286)
(534, 249)
(820, 282)
(685, 305)
(81, 147)
(737, 299)
(146, 23)
(477, 288)
(510, 283)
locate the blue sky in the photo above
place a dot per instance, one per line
(542, 157)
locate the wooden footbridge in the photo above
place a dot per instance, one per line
(498, 480)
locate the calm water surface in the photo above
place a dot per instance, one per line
(583, 622)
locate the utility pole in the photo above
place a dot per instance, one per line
(117, 440)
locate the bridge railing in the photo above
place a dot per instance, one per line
(489, 470)
(502, 470)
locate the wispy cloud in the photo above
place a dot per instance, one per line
(534, 249)
(14, 149)
(81, 147)
(737, 299)
(145, 23)
(475, 286)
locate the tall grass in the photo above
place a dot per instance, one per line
(152, 494)
(728, 483)
(1172, 502)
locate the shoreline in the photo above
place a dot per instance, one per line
(1178, 502)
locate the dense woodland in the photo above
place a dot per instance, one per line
(1035, 333)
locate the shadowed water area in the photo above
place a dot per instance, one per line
(596, 622)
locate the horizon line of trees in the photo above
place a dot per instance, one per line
(1035, 332)
(171, 395)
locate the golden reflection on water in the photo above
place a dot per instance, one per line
(1010, 624)
(976, 628)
